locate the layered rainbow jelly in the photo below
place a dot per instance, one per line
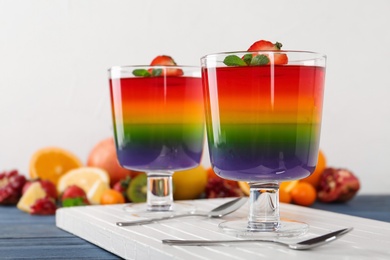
(158, 122)
(263, 122)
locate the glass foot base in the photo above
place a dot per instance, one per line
(141, 210)
(285, 228)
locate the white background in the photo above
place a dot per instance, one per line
(54, 56)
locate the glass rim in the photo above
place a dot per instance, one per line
(321, 55)
(124, 67)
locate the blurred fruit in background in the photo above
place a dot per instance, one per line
(285, 189)
(137, 189)
(49, 187)
(50, 163)
(337, 185)
(74, 196)
(94, 181)
(103, 155)
(314, 178)
(189, 184)
(244, 186)
(122, 185)
(218, 187)
(38, 198)
(11, 187)
(303, 194)
(111, 196)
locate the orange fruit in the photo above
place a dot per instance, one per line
(285, 189)
(303, 194)
(284, 196)
(50, 163)
(103, 155)
(111, 196)
(314, 178)
(288, 185)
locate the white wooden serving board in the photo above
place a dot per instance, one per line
(370, 239)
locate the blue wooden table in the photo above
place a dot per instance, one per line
(23, 236)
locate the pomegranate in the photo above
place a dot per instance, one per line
(11, 185)
(337, 185)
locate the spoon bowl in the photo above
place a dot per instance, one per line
(217, 212)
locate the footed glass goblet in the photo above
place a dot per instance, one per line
(158, 118)
(263, 125)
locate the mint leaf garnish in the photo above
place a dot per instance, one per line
(141, 73)
(156, 72)
(233, 60)
(260, 60)
(71, 202)
(247, 58)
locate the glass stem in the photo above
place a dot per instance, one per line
(264, 206)
(160, 192)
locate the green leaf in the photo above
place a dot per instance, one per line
(233, 60)
(247, 58)
(157, 72)
(278, 45)
(141, 73)
(70, 202)
(260, 60)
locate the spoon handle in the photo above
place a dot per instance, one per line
(174, 242)
(148, 221)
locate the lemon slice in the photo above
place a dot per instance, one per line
(96, 191)
(84, 177)
(33, 193)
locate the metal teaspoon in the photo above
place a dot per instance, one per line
(218, 212)
(303, 245)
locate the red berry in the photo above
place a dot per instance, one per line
(164, 60)
(278, 58)
(44, 206)
(11, 185)
(263, 45)
(49, 188)
(74, 196)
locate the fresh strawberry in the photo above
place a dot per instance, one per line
(262, 45)
(164, 60)
(44, 206)
(74, 196)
